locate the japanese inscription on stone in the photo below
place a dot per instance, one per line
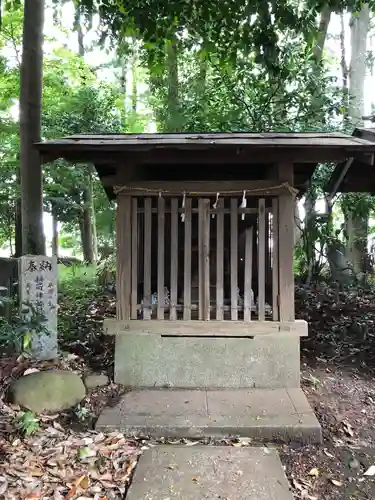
(38, 295)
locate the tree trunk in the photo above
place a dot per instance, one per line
(93, 217)
(359, 27)
(357, 221)
(325, 18)
(173, 118)
(77, 27)
(86, 227)
(134, 96)
(33, 240)
(55, 234)
(87, 223)
(18, 229)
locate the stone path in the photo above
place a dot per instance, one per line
(209, 473)
(262, 414)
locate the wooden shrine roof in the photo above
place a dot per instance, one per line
(234, 153)
(356, 175)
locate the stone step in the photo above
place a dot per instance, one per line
(265, 415)
(208, 472)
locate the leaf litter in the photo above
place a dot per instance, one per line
(52, 465)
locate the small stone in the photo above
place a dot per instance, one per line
(354, 464)
(96, 380)
(48, 391)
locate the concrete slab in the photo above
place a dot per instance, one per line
(279, 415)
(152, 361)
(209, 472)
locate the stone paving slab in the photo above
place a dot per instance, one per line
(262, 414)
(208, 473)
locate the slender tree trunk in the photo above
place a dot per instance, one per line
(357, 220)
(33, 240)
(93, 217)
(87, 223)
(173, 120)
(86, 227)
(18, 223)
(55, 233)
(359, 27)
(325, 18)
(134, 96)
(78, 28)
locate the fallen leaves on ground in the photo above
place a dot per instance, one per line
(52, 466)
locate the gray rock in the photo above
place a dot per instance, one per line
(96, 380)
(48, 391)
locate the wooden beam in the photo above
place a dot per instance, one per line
(202, 188)
(204, 328)
(174, 258)
(261, 260)
(234, 258)
(220, 260)
(160, 286)
(134, 265)
(275, 259)
(204, 258)
(123, 258)
(286, 247)
(248, 274)
(147, 292)
(212, 158)
(187, 260)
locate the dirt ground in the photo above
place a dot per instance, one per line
(344, 402)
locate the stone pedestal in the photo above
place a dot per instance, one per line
(38, 302)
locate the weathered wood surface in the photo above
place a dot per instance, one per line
(286, 247)
(187, 260)
(134, 258)
(201, 188)
(174, 258)
(147, 292)
(220, 260)
(196, 328)
(320, 140)
(261, 259)
(234, 258)
(248, 296)
(123, 259)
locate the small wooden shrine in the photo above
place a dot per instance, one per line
(205, 237)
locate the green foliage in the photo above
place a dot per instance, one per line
(106, 270)
(27, 423)
(77, 282)
(17, 330)
(77, 289)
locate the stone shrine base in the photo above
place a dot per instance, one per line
(278, 415)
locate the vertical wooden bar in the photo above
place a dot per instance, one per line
(261, 258)
(286, 246)
(220, 260)
(161, 225)
(147, 299)
(268, 278)
(234, 259)
(123, 257)
(275, 259)
(174, 258)
(204, 258)
(134, 266)
(187, 261)
(248, 274)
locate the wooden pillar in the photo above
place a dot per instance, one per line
(123, 258)
(286, 245)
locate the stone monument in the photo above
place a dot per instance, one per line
(38, 296)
